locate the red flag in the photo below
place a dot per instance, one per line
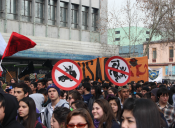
(1, 70)
(17, 43)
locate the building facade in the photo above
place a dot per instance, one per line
(62, 29)
(161, 55)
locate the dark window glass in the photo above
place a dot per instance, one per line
(74, 16)
(94, 19)
(63, 14)
(85, 17)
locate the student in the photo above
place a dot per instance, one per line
(141, 113)
(79, 118)
(123, 92)
(44, 92)
(54, 96)
(73, 96)
(144, 90)
(86, 90)
(33, 87)
(40, 84)
(103, 115)
(27, 115)
(8, 111)
(79, 104)
(13, 80)
(27, 80)
(165, 107)
(138, 88)
(114, 102)
(49, 82)
(112, 91)
(59, 116)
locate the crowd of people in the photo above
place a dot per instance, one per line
(93, 104)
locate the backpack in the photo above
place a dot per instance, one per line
(40, 124)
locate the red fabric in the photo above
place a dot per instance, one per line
(17, 43)
(0, 73)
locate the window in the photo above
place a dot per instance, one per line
(94, 19)
(154, 53)
(52, 4)
(63, 14)
(171, 52)
(12, 9)
(117, 32)
(147, 39)
(39, 11)
(147, 32)
(1, 9)
(117, 39)
(74, 16)
(85, 17)
(26, 10)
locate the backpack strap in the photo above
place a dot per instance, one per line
(64, 104)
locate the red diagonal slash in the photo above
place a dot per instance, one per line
(65, 73)
(123, 72)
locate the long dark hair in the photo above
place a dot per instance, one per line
(118, 104)
(108, 115)
(98, 92)
(32, 116)
(145, 111)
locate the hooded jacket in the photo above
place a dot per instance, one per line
(11, 107)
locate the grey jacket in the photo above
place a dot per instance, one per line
(46, 113)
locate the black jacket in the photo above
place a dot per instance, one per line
(114, 124)
(11, 107)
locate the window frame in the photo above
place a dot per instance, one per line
(117, 39)
(10, 14)
(117, 32)
(55, 12)
(85, 13)
(65, 8)
(94, 21)
(154, 50)
(73, 10)
(24, 11)
(171, 48)
(37, 3)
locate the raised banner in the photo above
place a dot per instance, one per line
(155, 75)
(95, 69)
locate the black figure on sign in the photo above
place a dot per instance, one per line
(70, 72)
(116, 65)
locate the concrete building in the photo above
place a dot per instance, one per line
(161, 55)
(130, 40)
(62, 29)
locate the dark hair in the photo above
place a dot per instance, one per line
(138, 85)
(145, 111)
(118, 104)
(41, 81)
(14, 80)
(105, 85)
(108, 115)
(83, 113)
(3, 81)
(162, 86)
(32, 115)
(147, 95)
(34, 84)
(43, 91)
(2, 101)
(60, 114)
(162, 91)
(114, 90)
(80, 104)
(75, 95)
(27, 78)
(49, 79)
(98, 92)
(61, 93)
(142, 81)
(87, 86)
(25, 88)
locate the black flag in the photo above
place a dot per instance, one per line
(48, 64)
(29, 69)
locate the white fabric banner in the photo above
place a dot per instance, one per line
(155, 74)
(3, 45)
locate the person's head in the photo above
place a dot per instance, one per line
(49, 81)
(163, 95)
(73, 96)
(91, 82)
(79, 117)
(102, 112)
(2, 108)
(79, 104)
(80, 89)
(86, 87)
(144, 90)
(138, 87)
(40, 84)
(22, 90)
(53, 92)
(44, 92)
(147, 95)
(131, 88)
(27, 112)
(33, 86)
(13, 80)
(123, 92)
(2, 81)
(27, 80)
(154, 94)
(112, 91)
(97, 92)
(114, 102)
(59, 117)
(105, 86)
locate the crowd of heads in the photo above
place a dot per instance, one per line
(92, 104)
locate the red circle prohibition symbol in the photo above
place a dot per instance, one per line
(78, 81)
(117, 70)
